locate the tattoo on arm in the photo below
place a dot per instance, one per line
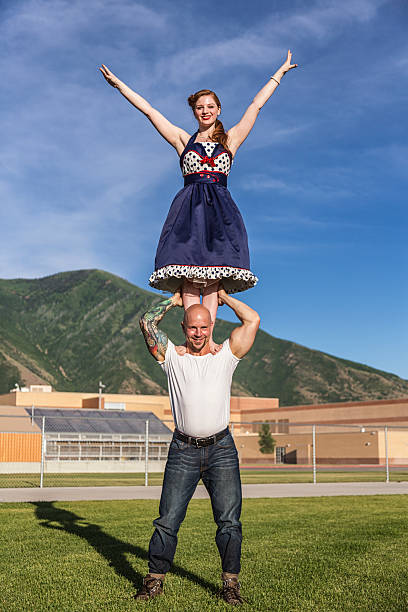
(156, 340)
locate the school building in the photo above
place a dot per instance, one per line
(347, 433)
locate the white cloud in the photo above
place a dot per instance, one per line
(292, 220)
(324, 19)
(61, 23)
(266, 42)
(316, 190)
(295, 220)
(75, 165)
(392, 156)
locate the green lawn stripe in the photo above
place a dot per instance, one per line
(247, 477)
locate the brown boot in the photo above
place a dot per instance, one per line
(230, 591)
(151, 587)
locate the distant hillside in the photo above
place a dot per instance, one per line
(75, 328)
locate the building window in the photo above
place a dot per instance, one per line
(114, 405)
(283, 426)
(101, 449)
(273, 427)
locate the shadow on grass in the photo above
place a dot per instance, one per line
(109, 547)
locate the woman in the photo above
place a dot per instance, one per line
(204, 241)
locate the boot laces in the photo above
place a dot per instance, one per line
(231, 590)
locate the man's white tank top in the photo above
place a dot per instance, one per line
(200, 389)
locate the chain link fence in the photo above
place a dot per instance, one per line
(324, 452)
(44, 450)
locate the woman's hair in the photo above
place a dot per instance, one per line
(218, 134)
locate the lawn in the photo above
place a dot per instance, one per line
(247, 476)
(345, 554)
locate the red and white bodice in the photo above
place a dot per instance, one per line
(195, 162)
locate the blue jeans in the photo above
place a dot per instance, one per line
(218, 467)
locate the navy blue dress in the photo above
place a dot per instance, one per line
(204, 237)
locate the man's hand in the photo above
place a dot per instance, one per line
(222, 294)
(176, 298)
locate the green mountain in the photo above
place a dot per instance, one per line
(72, 329)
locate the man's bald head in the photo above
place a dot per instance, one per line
(197, 328)
(197, 311)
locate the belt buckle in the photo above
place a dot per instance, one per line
(198, 442)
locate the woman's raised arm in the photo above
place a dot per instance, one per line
(238, 133)
(174, 135)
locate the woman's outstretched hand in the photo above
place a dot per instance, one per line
(287, 65)
(109, 76)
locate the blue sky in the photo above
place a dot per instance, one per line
(86, 182)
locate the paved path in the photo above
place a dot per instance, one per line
(249, 491)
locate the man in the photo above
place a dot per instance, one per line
(202, 447)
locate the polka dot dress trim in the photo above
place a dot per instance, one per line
(234, 280)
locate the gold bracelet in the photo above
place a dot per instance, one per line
(276, 80)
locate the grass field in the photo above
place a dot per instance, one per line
(343, 554)
(247, 476)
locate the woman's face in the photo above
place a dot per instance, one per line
(206, 111)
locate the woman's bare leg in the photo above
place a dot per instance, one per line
(190, 294)
(210, 301)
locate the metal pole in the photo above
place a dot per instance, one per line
(32, 415)
(314, 452)
(147, 454)
(387, 467)
(232, 429)
(100, 389)
(42, 452)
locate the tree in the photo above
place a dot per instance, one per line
(9, 375)
(266, 442)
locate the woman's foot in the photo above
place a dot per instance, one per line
(181, 350)
(214, 347)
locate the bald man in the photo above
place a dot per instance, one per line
(202, 446)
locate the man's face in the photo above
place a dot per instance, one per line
(197, 329)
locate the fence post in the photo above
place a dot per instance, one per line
(387, 467)
(147, 454)
(42, 453)
(314, 452)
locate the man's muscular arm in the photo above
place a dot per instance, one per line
(156, 339)
(242, 337)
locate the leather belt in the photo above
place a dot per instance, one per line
(201, 442)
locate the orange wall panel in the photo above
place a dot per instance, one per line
(20, 447)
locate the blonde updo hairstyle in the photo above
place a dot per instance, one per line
(218, 134)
